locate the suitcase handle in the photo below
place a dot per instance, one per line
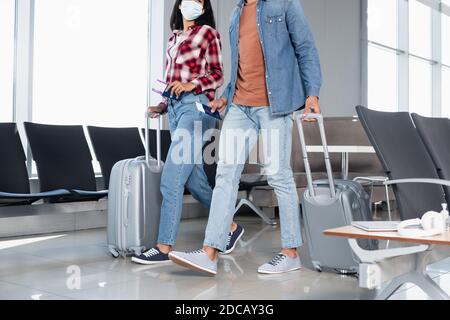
(158, 140)
(319, 118)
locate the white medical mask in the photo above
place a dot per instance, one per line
(191, 9)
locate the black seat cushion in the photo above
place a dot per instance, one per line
(7, 199)
(166, 141)
(13, 169)
(62, 157)
(403, 155)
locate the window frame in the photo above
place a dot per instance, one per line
(404, 55)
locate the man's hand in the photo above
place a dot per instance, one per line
(178, 88)
(155, 112)
(218, 105)
(312, 106)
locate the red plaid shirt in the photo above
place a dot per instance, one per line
(198, 59)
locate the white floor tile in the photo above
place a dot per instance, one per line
(42, 268)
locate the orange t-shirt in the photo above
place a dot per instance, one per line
(251, 87)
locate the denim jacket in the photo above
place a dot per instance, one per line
(293, 70)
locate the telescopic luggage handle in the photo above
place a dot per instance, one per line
(147, 140)
(319, 118)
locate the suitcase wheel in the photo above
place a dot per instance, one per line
(317, 267)
(115, 254)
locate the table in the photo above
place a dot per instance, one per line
(344, 151)
(399, 265)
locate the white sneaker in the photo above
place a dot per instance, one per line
(196, 260)
(281, 263)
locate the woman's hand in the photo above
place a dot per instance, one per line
(155, 112)
(312, 106)
(178, 88)
(218, 105)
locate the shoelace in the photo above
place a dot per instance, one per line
(277, 259)
(196, 251)
(229, 238)
(150, 253)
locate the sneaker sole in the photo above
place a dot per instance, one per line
(234, 246)
(279, 272)
(149, 263)
(192, 266)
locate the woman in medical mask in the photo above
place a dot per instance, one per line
(194, 72)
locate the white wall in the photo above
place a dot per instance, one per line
(336, 26)
(337, 29)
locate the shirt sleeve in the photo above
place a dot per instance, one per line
(305, 49)
(213, 78)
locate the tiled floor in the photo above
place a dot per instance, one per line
(78, 266)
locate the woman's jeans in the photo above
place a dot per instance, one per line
(239, 134)
(184, 164)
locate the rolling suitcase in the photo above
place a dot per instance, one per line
(134, 202)
(331, 204)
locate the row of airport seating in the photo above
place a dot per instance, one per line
(64, 161)
(414, 152)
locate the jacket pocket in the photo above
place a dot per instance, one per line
(275, 25)
(275, 19)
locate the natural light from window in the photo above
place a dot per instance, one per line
(7, 22)
(90, 62)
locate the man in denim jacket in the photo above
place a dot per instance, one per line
(275, 71)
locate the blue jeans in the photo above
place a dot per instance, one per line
(239, 134)
(184, 165)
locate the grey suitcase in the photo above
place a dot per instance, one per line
(134, 202)
(331, 204)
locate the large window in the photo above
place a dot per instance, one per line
(446, 64)
(382, 92)
(403, 56)
(7, 23)
(420, 79)
(420, 29)
(445, 39)
(446, 92)
(90, 62)
(420, 65)
(382, 69)
(382, 15)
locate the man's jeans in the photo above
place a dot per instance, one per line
(183, 167)
(238, 136)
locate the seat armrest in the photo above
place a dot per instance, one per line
(419, 180)
(371, 179)
(372, 256)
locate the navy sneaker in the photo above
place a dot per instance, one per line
(152, 256)
(233, 238)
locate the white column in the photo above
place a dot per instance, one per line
(23, 69)
(159, 32)
(437, 67)
(364, 97)
(403, 57)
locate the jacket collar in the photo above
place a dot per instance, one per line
(242, 2)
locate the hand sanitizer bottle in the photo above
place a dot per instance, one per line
(445, 215)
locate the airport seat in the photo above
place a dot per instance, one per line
(14, 180)
(112, 145)
(435, 133)
(63, 160)
(166, 140)
(403, 155)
